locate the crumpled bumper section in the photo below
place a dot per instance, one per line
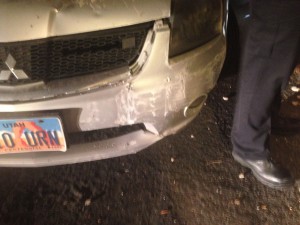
(161, 94)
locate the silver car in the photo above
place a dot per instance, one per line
(93, 79)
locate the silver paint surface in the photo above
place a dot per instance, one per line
(28, 20)
(155, 91)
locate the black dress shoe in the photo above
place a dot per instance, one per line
(267, 172)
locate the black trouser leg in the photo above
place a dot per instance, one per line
(271, 52)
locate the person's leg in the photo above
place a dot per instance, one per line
(269, 57)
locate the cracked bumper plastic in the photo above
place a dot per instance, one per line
(161, 94)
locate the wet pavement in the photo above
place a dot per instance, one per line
(186, 179)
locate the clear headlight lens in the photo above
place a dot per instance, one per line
(194, 22)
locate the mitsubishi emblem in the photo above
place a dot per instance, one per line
(11, 63)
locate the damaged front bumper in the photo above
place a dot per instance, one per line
(162, 94)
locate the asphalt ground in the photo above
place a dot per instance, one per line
(187, 179)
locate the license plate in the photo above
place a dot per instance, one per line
(31, 135)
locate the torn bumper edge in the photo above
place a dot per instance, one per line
(157, 96)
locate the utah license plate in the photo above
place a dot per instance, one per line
(31, 135)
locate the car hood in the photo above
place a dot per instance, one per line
(27, 20)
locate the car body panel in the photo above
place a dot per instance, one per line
(161, 105)
(163, 94)
(30, 20)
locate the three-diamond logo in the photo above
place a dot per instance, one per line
(19, 74)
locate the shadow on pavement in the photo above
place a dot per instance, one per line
(285, 138)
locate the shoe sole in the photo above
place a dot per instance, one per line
(261, 179)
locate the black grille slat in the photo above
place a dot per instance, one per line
(74, 55)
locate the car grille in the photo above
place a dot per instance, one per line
(75, 55)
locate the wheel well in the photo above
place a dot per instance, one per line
(233, 52)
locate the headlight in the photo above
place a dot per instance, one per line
(194, 22)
